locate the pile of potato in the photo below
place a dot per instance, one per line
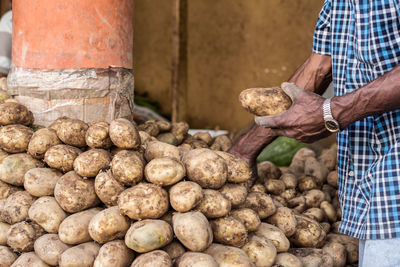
(121, 194)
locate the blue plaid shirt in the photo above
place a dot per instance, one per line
(363, 39)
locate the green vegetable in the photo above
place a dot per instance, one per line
(280, 151)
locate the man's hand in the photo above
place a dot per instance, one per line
(303, 120)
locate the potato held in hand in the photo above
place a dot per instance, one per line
(265, 101)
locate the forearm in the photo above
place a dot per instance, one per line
(379, 96)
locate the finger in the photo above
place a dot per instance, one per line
(267, 121)
(291, 89)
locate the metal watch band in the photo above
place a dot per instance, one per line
(327, 109)
(330, 123)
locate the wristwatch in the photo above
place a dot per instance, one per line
(330, 123)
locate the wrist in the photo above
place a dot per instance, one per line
(342, 110)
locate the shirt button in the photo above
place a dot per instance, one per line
(351, 173)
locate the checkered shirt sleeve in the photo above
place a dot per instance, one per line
(322, 33)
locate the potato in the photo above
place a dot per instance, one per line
(275, 187)
(258, 188)
(329, 211)
(21, 236)
(16, 207)
(41, 141)
(174, 249)
(297, 165)
(73, 193)
(342, 239)
(351, 252)
(6, 190)
(143, 201)
(108, 225)
(235, 193)
(49, 248)
(7, 256)
(288, 260)
(288, 194)
(157, 258)
(229, 256)
(29, 259)
(333, 179)
(184, 196)
(214, 204)
(149, 127)
(314, 198)
(163, 125)
(55, 125)
(221, 143)
(193, 230)
(326, 226)
(338, 253)
(204, 136)
(328, 158)
(15, 113)
(107, 188)
(229, 231)
(265, 101)
(248, 217)
(75, 228)
(194, 143)
(82, 255)
(41, 181)
(314, 168)
(285, 220)
(115, 254)
(313, 257)
(46, 212)
(127, 167)
(196, 259)
(290, 180)
(261, 251)
(156, 149)
(314, 214)
(308, 233)
(72, 132)
(306, 183)
(260, 203)
(124, 134)
(168, 138)
(206, 168)
(267, 170)
(4, 227)
(275, 235)
(180, 130)
(97, 135)
(91, 162)
(14, 167)
(238, 169)
(164, 171)
(147, 235)
(61, 157)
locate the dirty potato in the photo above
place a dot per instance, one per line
(156, 149)
(147, 235)
(174, 249)
(91, 162)
(193, 230)
(164, 171)
(284, 219)
(157, 258)
(143, 201)
(61, 157)
(184, 196)
(308, 233)
(196, 259)
(72, 132)
(73, 193)
(46, 212)
(261, 251)
(15, 113)
(41, 181)
(275, 235)
(127, 167)
(48, 248)
(97, 135)
(248, 217)
(16, 207)
(41, 141)
(265, 101)
(260, 203)
(15, 138)
(108, 225)
(29, 259)
(82, 255)
(229, 256)
(124, 134)
(206, 168)
(115, 254)
(7, 256)
(107, 188)
(229, 231)
(236, 193)
(214, 204)
(21, 236)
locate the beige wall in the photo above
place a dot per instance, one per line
(231, 45)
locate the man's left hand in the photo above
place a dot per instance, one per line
(303, 120)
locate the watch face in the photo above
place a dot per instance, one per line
(332, 126)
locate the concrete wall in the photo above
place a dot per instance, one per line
(231, 45)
